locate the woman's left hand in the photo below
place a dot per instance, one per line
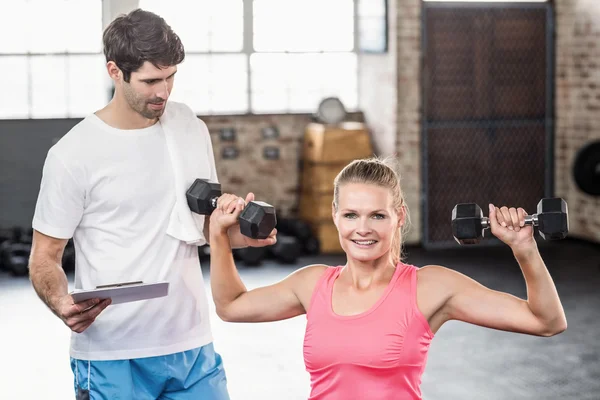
(508, 225)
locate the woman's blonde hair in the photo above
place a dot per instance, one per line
(382, 172)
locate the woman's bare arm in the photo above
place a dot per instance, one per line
(234, 303)
(469, 301)
(466, 300)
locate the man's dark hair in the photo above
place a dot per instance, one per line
(140, 36)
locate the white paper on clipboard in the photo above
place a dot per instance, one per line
(123, 292)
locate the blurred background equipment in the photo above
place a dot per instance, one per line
(586, 169)
(327, 149)
(331, 110)
(15, 249)
(308, 243)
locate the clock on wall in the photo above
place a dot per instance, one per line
(331, 110)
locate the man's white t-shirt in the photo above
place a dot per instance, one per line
(113, 191)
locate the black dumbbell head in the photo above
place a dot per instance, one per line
(312, 246)
(294, 227)
(287, 249)
(199, 196)
(258, 220)
(553, 218)
(466, 223)
(251, 256)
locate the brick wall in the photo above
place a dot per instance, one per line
(577, 106)
(273, 181)
(377, 90)
(390, 91)
(408, 122)
(390, 97)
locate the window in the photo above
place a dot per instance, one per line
(289, 82)
(490, 1)
(373, 27)
(262, 56)
(53, 72)
(203, 25)
(303, 26)
(242, 56)
(213, 83)
(16, 103)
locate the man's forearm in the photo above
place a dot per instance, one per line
(49, 281)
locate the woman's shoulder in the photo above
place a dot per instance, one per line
(306, 280)
(438, 278)
(434, 271)
(430, 270)
(307, 277)
(432, 274)
(313, 272)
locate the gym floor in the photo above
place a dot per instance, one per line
(264, 361)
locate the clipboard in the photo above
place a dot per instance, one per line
(124, 292)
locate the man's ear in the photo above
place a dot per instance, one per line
(114, 72)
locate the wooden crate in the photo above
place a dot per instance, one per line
(328, 237)
(336, 143)
(318, 178)
(316, 207)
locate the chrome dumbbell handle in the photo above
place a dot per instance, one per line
(529, 220)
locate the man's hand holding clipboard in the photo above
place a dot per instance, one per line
(80, 315)
(80, 308)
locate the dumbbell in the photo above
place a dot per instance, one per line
(257, 220)
(300, 230)
(251, 256)
(287, 249)
(68, 260)
(14, 251)
(16, 260)
(552, 220)
(6, 238)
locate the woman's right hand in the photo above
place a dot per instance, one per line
(229, 207)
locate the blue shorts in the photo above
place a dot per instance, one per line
(193, 374)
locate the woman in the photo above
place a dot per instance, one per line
(370, 322)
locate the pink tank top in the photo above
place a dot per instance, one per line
(376, 355)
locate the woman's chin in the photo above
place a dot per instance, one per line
(364, 255)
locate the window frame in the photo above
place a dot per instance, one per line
(247, 50)
(30, 55)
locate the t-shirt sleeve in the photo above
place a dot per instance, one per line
(60, 201)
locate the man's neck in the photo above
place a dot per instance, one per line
(121, 116)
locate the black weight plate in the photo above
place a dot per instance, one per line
(586, 169)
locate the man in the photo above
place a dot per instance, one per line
(112, 183)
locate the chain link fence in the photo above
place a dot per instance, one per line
(487, 130)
